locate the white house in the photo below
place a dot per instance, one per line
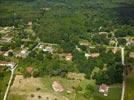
(8, 64)
(48, 49)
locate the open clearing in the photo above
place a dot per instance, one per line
(41, 88)
(129, 94)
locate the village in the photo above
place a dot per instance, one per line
(24, 57)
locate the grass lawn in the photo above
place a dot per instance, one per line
(129, 93)
(114, 94)
(3, 82)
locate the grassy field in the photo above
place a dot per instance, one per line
(129, 94)
(3, 82)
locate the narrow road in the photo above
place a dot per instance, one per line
(123, 84)
(9, 83)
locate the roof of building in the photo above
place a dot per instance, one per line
(29, 69)
(104, 87)
(57, 87)
(69, 56)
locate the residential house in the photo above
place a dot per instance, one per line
(57, 87)
(29, 24)
(84, 43)
(115, 50)
(69, 57)
(7, 53)
(94, 55)
(87, 55)
(8, 64)
(29, 70)
(131, 54)
(48, 49)
(24, 53)
(104, 89)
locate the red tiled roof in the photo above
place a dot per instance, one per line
(103, 86)
(29, 69)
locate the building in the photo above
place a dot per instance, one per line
(94, 55)
(7, 53)
(69, 57)
(48, 49)
(84, 42)
(29, 70)
(131, 54)
(57, 87)
(104, 89)
(8, 64)
(115, 50)
(87, 55)
(24, 53)
(29, 24)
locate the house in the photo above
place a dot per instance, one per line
(129, 42)
(105, 33)
(131, 54)
(87, 55)
(84, 43)
(57, 87)
(29, 24)
(8, 64)
(29, 70)
(7, 53)
(115, 50)
(104, 89)
(41, 46)
(94, 55)
(69, 57)
(24, 53)
(48, 49)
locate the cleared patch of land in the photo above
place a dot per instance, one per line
(41, 88)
